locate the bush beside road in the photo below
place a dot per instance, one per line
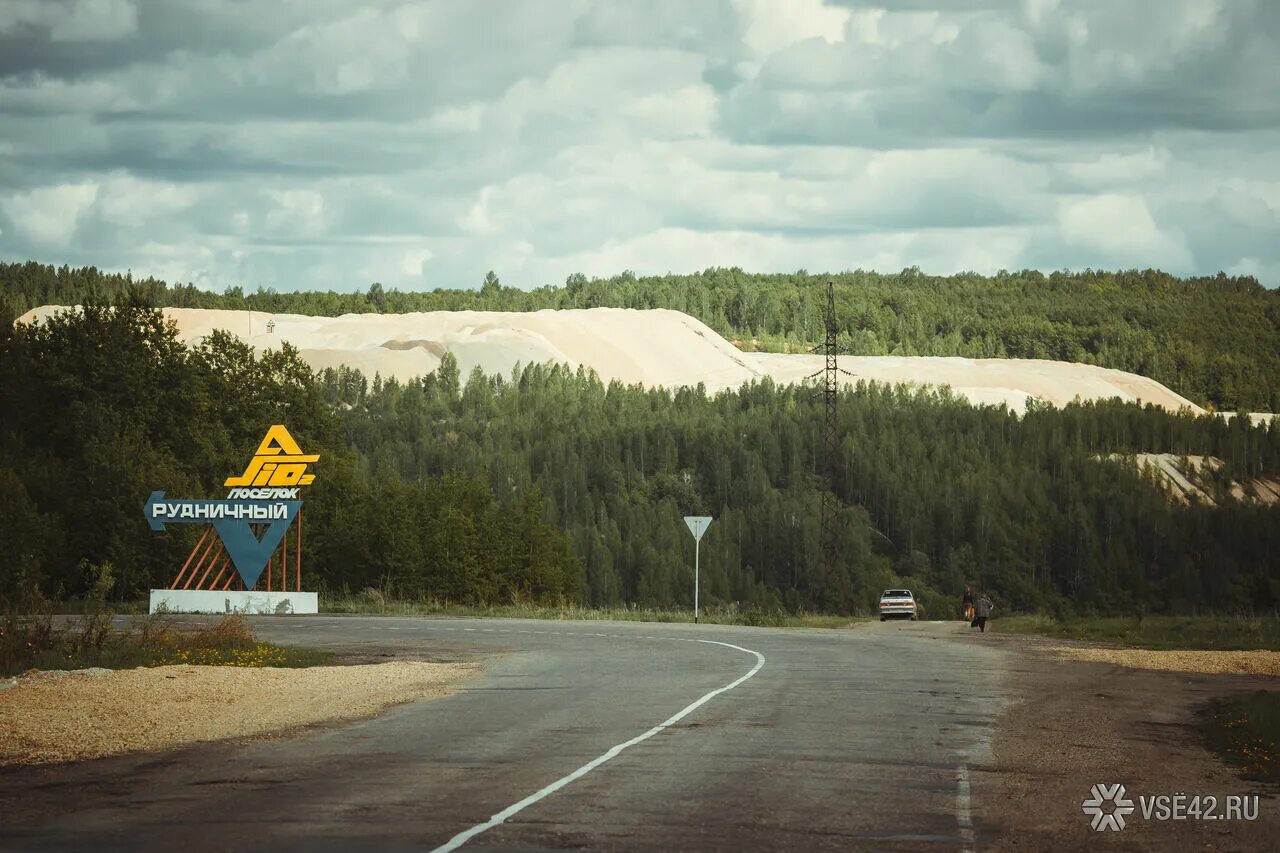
(374, 603)
(94, 640)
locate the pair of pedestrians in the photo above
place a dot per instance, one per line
(977, 612)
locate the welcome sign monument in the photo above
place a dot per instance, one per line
(232, 568)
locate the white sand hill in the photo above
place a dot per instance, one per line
(652, 348)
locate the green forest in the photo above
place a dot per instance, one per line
(549, 486)
(1215, 340)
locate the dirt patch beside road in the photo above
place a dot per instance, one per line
(58, 716)
(1073, 724)
(1213, 662)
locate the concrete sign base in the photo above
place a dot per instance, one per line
(253, 603)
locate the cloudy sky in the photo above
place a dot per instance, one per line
(325, 143)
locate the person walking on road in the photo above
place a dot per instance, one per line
(966, 604)
(982, 612)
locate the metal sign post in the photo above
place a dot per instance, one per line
(698, 525)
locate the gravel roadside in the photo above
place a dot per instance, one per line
(1080, 715)
(1212, 662)
(58, 716)
(1112, 716)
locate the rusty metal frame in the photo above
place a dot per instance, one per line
(212, 555)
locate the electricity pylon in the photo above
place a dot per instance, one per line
(830, 440)
(830, 443)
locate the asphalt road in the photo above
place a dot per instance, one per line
(804, 740)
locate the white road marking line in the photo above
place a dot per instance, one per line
(510, 811)
(964, 815)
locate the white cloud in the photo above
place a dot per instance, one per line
(96, 20)
(1119, 229)
(892, 50)
(412, 261)
(465, 119)
(296, 211)
(478, 220)
(1264, 271)
(129, 202)
(49, 215)
(863, 26)
(685, 250)
(775, 24)
(196, 262)
(45, 95)
(1114, 46)
(328, 143)
(619, 93)
(365, 50)
(76, 21)
(1111, 169)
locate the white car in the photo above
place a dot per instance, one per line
(897, 603)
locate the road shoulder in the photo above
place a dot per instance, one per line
(52, 717)
(1069, 725)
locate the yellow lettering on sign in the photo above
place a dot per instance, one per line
(279, 462)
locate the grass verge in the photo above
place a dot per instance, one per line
(1156, 632)
(373, 603)
(1244, 731)
(35, 642)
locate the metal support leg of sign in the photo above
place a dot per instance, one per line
(214, 544)
(209, 562)
(297, 572)
(222, 571)
(220, 555)
(284, 562)
(187, 564)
